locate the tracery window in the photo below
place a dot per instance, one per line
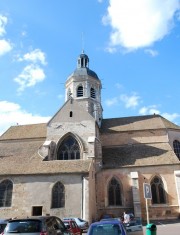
(69, 149)
(114, 193)
(158, 192)
(80, 91)
(176, 146)
(93, 93)
(6, 188)
(58, 195)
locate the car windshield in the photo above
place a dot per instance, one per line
(81, 220)
(23, 226)
(103, 229)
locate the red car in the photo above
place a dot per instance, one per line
(72, 227)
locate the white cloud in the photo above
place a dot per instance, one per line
(36, 56)
(130, 101)
(33, 72)
(60, 96)
(148, 110)
(171, 117)
(111, 102)
(139, 23)
(152, 109)
(151, 52)
(30, 75)
(118, 85)
(5, 47)
(3, 22)
(12, 114)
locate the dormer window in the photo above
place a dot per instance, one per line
(80, 91)
(93, 93)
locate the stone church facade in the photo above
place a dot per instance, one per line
(79, 164)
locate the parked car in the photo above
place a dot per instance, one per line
(72, 226)
(108, 219)
(82, 224)
(3, 223)
(41, 225)
(106, 216)
(112, 226)
(134, 225)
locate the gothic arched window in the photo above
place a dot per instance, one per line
(176, 146)
(114, 193)
(158, 192)
(69, 149)
(80, 91)
(58, 195)
(93, 93)
(6, 188)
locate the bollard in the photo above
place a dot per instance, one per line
(151, 229)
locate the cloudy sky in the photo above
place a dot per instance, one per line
(133, 46)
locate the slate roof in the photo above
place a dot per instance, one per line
(136, 123)
(84, 72)
(139, 155)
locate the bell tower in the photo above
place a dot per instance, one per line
(84, 86)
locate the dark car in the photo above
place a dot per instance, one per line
(72, 226)
(112, 226)
(41, 225)
(3, 223)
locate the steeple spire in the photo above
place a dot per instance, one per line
(84, 86)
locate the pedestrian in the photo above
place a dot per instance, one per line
(126, 217)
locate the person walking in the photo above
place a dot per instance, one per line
(126, 217)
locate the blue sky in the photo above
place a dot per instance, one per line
(133, 46)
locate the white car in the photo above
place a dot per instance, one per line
(82, 224)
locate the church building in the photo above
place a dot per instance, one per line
(82, 165)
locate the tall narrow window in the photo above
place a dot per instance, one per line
(69, 93)
(176, 146)
(6, 188)
(69, 149)
(93, 93)
(58, 195)
(114, 193)
(80, 91)
(158, 192)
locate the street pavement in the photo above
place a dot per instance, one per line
(165, 228)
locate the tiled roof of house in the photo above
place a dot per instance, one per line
(25, 132)
(139, 155)
(19, 153)
(136, 123)
(19, 148)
